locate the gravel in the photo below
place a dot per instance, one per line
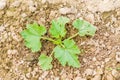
(118, 56)
(2, 4)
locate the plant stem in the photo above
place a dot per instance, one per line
(51, 54)
(73, 36)
(49, 39)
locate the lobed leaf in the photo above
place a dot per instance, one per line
(45, 62)
(67, 55)
(84, 27)
(57, 29)
(32, 36)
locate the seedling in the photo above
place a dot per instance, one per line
(66, 51)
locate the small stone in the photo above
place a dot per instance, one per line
(15, 4)
(118, 56)
(43, 1)
(89, 72)
(10, 13)
(107, 59)
(84, 60)
(2, 4)
(64, 10)
(28, 75)
(2, 28)
(97, 77)
(12, 52)
(79, 78)
(24, 15)
(110, 77)
(99, 71)
(52, 14)
(115, 73)
(94, 59)
(67, 10)
(32, 9)
(44, 74)
(90, 18)
(56, 78)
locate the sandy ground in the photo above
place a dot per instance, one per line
(100, 59)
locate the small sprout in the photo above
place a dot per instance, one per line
(66, 51)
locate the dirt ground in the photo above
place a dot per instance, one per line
(100, 59)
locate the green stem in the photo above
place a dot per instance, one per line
(49, 39)
(62, 45)
(73, 36)
(51, 54)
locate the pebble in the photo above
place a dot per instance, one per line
(66, 10)
(2, 4)
(23, 15)
(28, 75)
(56, 78)
(115, 73)
(12, 51)
(32, 9)
(85, 60)
(99, 71)
(15, 4)
(90, 18)
(118, 56)
(107, 59)
(2, 28)
(94, 59)
(43, 1)
(110, 77)
(10, 13)
(97, 77)
(79, 78)
(89, 72)
(44, 74)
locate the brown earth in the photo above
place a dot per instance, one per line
(100, 59)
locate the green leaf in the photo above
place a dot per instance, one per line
(67, 55)
(45, 62)
(32, 36)
(84, 27)
(57, 29)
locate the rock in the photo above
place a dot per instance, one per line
(56, 78)
(24, 15)
(110, 77)
(79, 78)
(115, 73)
(107, 59)
(10, 13)
(15, 3)
(90, 18)
(102, 5)
(2, 13)
(89, 72)
(85, 60)
(28, 75)
(2, 28)
(118, 56)
(99, 71)
(32, 6)
(94, 59)
(43, 1)
(97, 77)
(32, 9)
(66, 10)
(44, 74)
(2, 4)
(10, 52)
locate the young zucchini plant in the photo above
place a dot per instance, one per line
(66, 51)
